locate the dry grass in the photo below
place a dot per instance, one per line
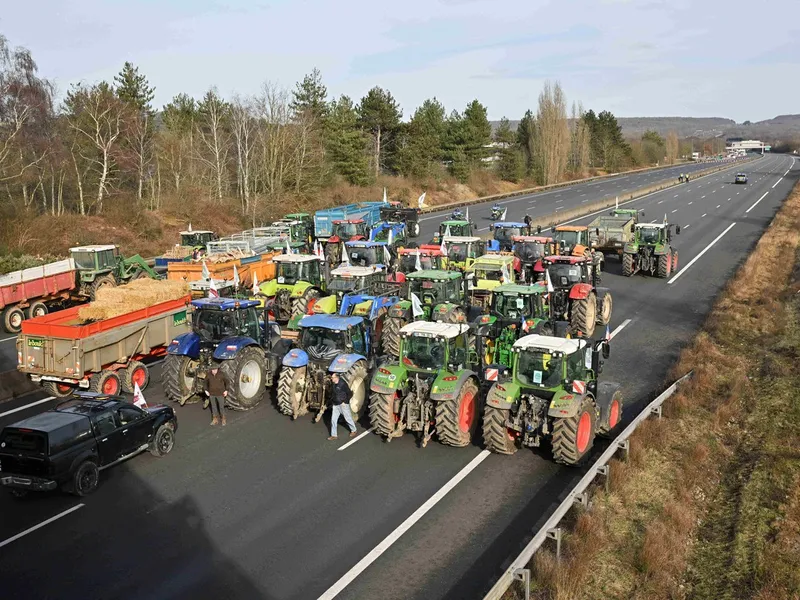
(115, 301)
(708, 506)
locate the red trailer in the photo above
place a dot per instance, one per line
(25, 294)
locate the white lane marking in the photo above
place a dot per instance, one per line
(654, 221)
(691, 203)
(557, 201)
(40, 525)
(737, 193)
(622, 326)
(728, 200)
(718, 205)
(712, 191)
(390, 539)
(674, 211)
(789, 169)
(777, 182)
(429, 218)
(584, 201)
(583, 194)
(8, 339)
(687, 226)
(701, 197)
(659, 202)
(42, 401)
(353, 441)
(756, 202)
(703, 215)
(676, 195)
(696, 258)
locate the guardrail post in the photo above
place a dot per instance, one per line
(524, 575)
(604, 470)
(625, 446)
(656, 410)
(583, 499)
(555, 534)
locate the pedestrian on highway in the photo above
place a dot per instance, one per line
(217, 391)
(341, 405)
(528, 223)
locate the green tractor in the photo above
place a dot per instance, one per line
(454, 227)
(302, 226)
(197, 239)
(650, 250)
(103, 266)
(298, 284)
(462, 251)
(554, 392)
(441, 295)
(432, 384)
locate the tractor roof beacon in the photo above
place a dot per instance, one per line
(554, 392)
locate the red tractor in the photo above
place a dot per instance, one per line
(344, 231)
(574, 296)
(430, 258)
(531, 250)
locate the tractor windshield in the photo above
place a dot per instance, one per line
(514, 306)
(429, 292)
(424, 352)
(539, 368)
(457, 252)
(489, 274)
(456, 229)
(649, 235)
(504, 234)
(346, 284)
(408, 263)
(322, 343)
(529, 251)
(383, 234)
(364, 257)
(215, 324)
(570, 238)
(346, 230)
(290, 273)
(564, 275)
(84, 261)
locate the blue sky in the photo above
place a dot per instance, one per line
(736, 59)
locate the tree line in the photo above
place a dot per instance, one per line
(106, 142)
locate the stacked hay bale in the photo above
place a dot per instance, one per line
(141, 293)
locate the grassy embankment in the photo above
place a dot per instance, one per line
(708, 505)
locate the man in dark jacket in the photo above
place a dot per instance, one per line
(341, 405)
(217, 391)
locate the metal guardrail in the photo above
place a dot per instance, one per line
(518, 570)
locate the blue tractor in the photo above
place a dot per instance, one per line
(327, 344)
(233, 335)
(393, 233)
(363, 253)
(503, 235)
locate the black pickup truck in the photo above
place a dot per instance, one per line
(68, 446)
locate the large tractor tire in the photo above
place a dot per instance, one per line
(13, 317)
(290, 391)
(304, 303)
(457, 419)
(246, 387)
(136, 372)
(674, 261)
(457, 315)
(608, 429)
(583, 315)
(356, 378)
(665, 265)
(627, 265)
(282, 308)
(605, 308)
(36, 309)
(106, 382)
(495, 433)
(390, 337)
(413, 229)
(99, 283)
(58, 390)
(333, 254)
(381, 413)
(177, 378)
(573, 437)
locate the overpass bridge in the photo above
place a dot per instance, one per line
(748, 145)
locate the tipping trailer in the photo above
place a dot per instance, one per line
(369, 212)
(62, 353)
(608, 234)
(258, 265)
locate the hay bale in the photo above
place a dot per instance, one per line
(141, 293)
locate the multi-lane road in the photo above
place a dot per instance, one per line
(267, 508)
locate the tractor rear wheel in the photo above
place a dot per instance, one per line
(495, 432)
(58, 390)
(304, 303)
(664, 265)
(457, 419)
(583, 315)
(282, 308)
(573, 437)
(245, 373)
(674, 260)
(136, 372)
(604, 314)
(390, 337)
(356, 378)
(177, 377)
(608, 428)
(333, 253)
(291, 383)
(99, 283)
(381, 413)
(627, 265)
(457, 315)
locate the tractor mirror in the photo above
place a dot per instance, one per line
(538, 229)
(606, 350)
(641, 212)
(597, 231)
(677, 229)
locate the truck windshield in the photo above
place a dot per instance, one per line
(215, 324)
(322, 343)
(84, 260)
(539, 368)
(424, 352)
(364, 257)
(506, 233)
(649, 235)
(563, 275)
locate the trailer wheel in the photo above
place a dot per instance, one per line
(177, 377)
(57, 389)
(36, 309)
(573, 437)
(495, 433)
(105, 382)
(12, 319)
(137, 372)
(100, 283)
(245, 373)
(457, 419)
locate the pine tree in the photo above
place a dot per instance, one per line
(346, 143)
(421, 154)
(310, 100)
(380, 115)
(133, 88)
(503, 134)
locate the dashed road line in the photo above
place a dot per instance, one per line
(703, 215)
(619, 328)
(756, 202)
(12, 411)
(354, 440)
(42, 524)
(696, 258)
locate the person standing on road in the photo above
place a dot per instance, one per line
(217, 391)
(341, 405)
(528, 223)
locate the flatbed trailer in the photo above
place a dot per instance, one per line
(62, 353)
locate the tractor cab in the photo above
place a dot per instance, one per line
(436, 287)
(197, 238)
(433, 347)
(490, 271)
(511, 303)
(216, 319)
(364, 253)
(531, 249)
(323, 337)
(350, 230)
(566, 271)
(462, 251)
(345, 280)
(297, 247)
(425, 258)
(293, 268)
(454, 227)
(654, 234)
(571, 239)
(298, 284)
(546, 363)
(392, 233)
(503, 233)
(395, 212)
(95, 259)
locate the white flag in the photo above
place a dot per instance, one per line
(385, 199)
(418, 264)
(345, 258)
(550, 287)
(387, 257)
(503, 218)
(467, 213)
(255, 283)
(288, 248)
(213, 292)
(443, 248)
(138, 396)
(447, 232)
(206, 274)
(391, 237)
(235, 277)
(504, 274)
(617, 202)
(421, 200)
(416, 305)
(190, 226)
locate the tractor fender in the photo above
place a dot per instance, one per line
(538, 266)
(443, 311)
(631, 248)
(382, 302)
(343, 362)
(565, 404)
(300, 288)
(230, 347)
(503, 395)
(447, 385)
(484, 325)
(580, 291)
(295, 358)
(269, 288)
(186, 344)
(660, 250)
(325, 305)
(605, 391)
(388, 379)
(401, 310)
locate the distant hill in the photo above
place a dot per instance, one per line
(780, 127)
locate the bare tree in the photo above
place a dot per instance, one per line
(672, 147)
(244, 136)
(553, 136)
(580, 148)
(215, 139)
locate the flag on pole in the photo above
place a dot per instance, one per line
(213, 292)
(416, 305)
(608, 333)
(467, 213)
(387, 258)
(443, 248)
(665, 217)
(504, 273)
(524, 325)
(345, 258)
(616, 205)
(550, 287)
(235, 277)
(391, 237)
(288, 248)
(385, 199)
(421, 200)
(255, 284)
(418, 263)
(190, 226)
(503, 217)
(206, 274)
(138, 397)
(447, 232)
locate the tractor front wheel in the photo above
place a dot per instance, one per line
(608, 428)
(495, 433)
(356, 378)
(573, 437)
(245, 374)
(177, 377)
(390, 337)
(457, 419)
(291, 385)
(665, 265)
(282, 307)
(627, 265)
(604, 314)
(304, 303)
(104, 281)
(583, 315)
(381, 413)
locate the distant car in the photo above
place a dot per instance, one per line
(68, 446)
(740, 178)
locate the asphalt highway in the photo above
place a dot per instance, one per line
(267, 508)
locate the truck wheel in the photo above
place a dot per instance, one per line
(136, 372)
(381, 413)
(356, 378)
(105, 382)
(457, 419)
(57, 389)
(495, 433)
(604, 314)
(36, 309)
(304, 303)
(163, 441)
(101, 282)
(583, 315)
(245, 373)
(627, 265)
(390, 337)
(85, 479)
(12, 319)
(573, 437)
(607, 429)
(291, 383)
(177, 377)
(664, 264)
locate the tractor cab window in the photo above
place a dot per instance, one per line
(311, 271)
(84, 261)
(215, 324)
(458, 350)
(539, 368)
(488, 274)
(290, 273)
(529, 251)
(424, 352)
(457, 252)
(649, 235)
(512, 306)
(106, 259)
(428, 291)
(564, 275)
(344, 284)
(346, 230)
(249, 324)
(383, 235)
(452, 290)
(364, 257)
(408, 263)
(357, 338)
(575, 366)
(322, 343)
(570, 238)
(504, 234)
